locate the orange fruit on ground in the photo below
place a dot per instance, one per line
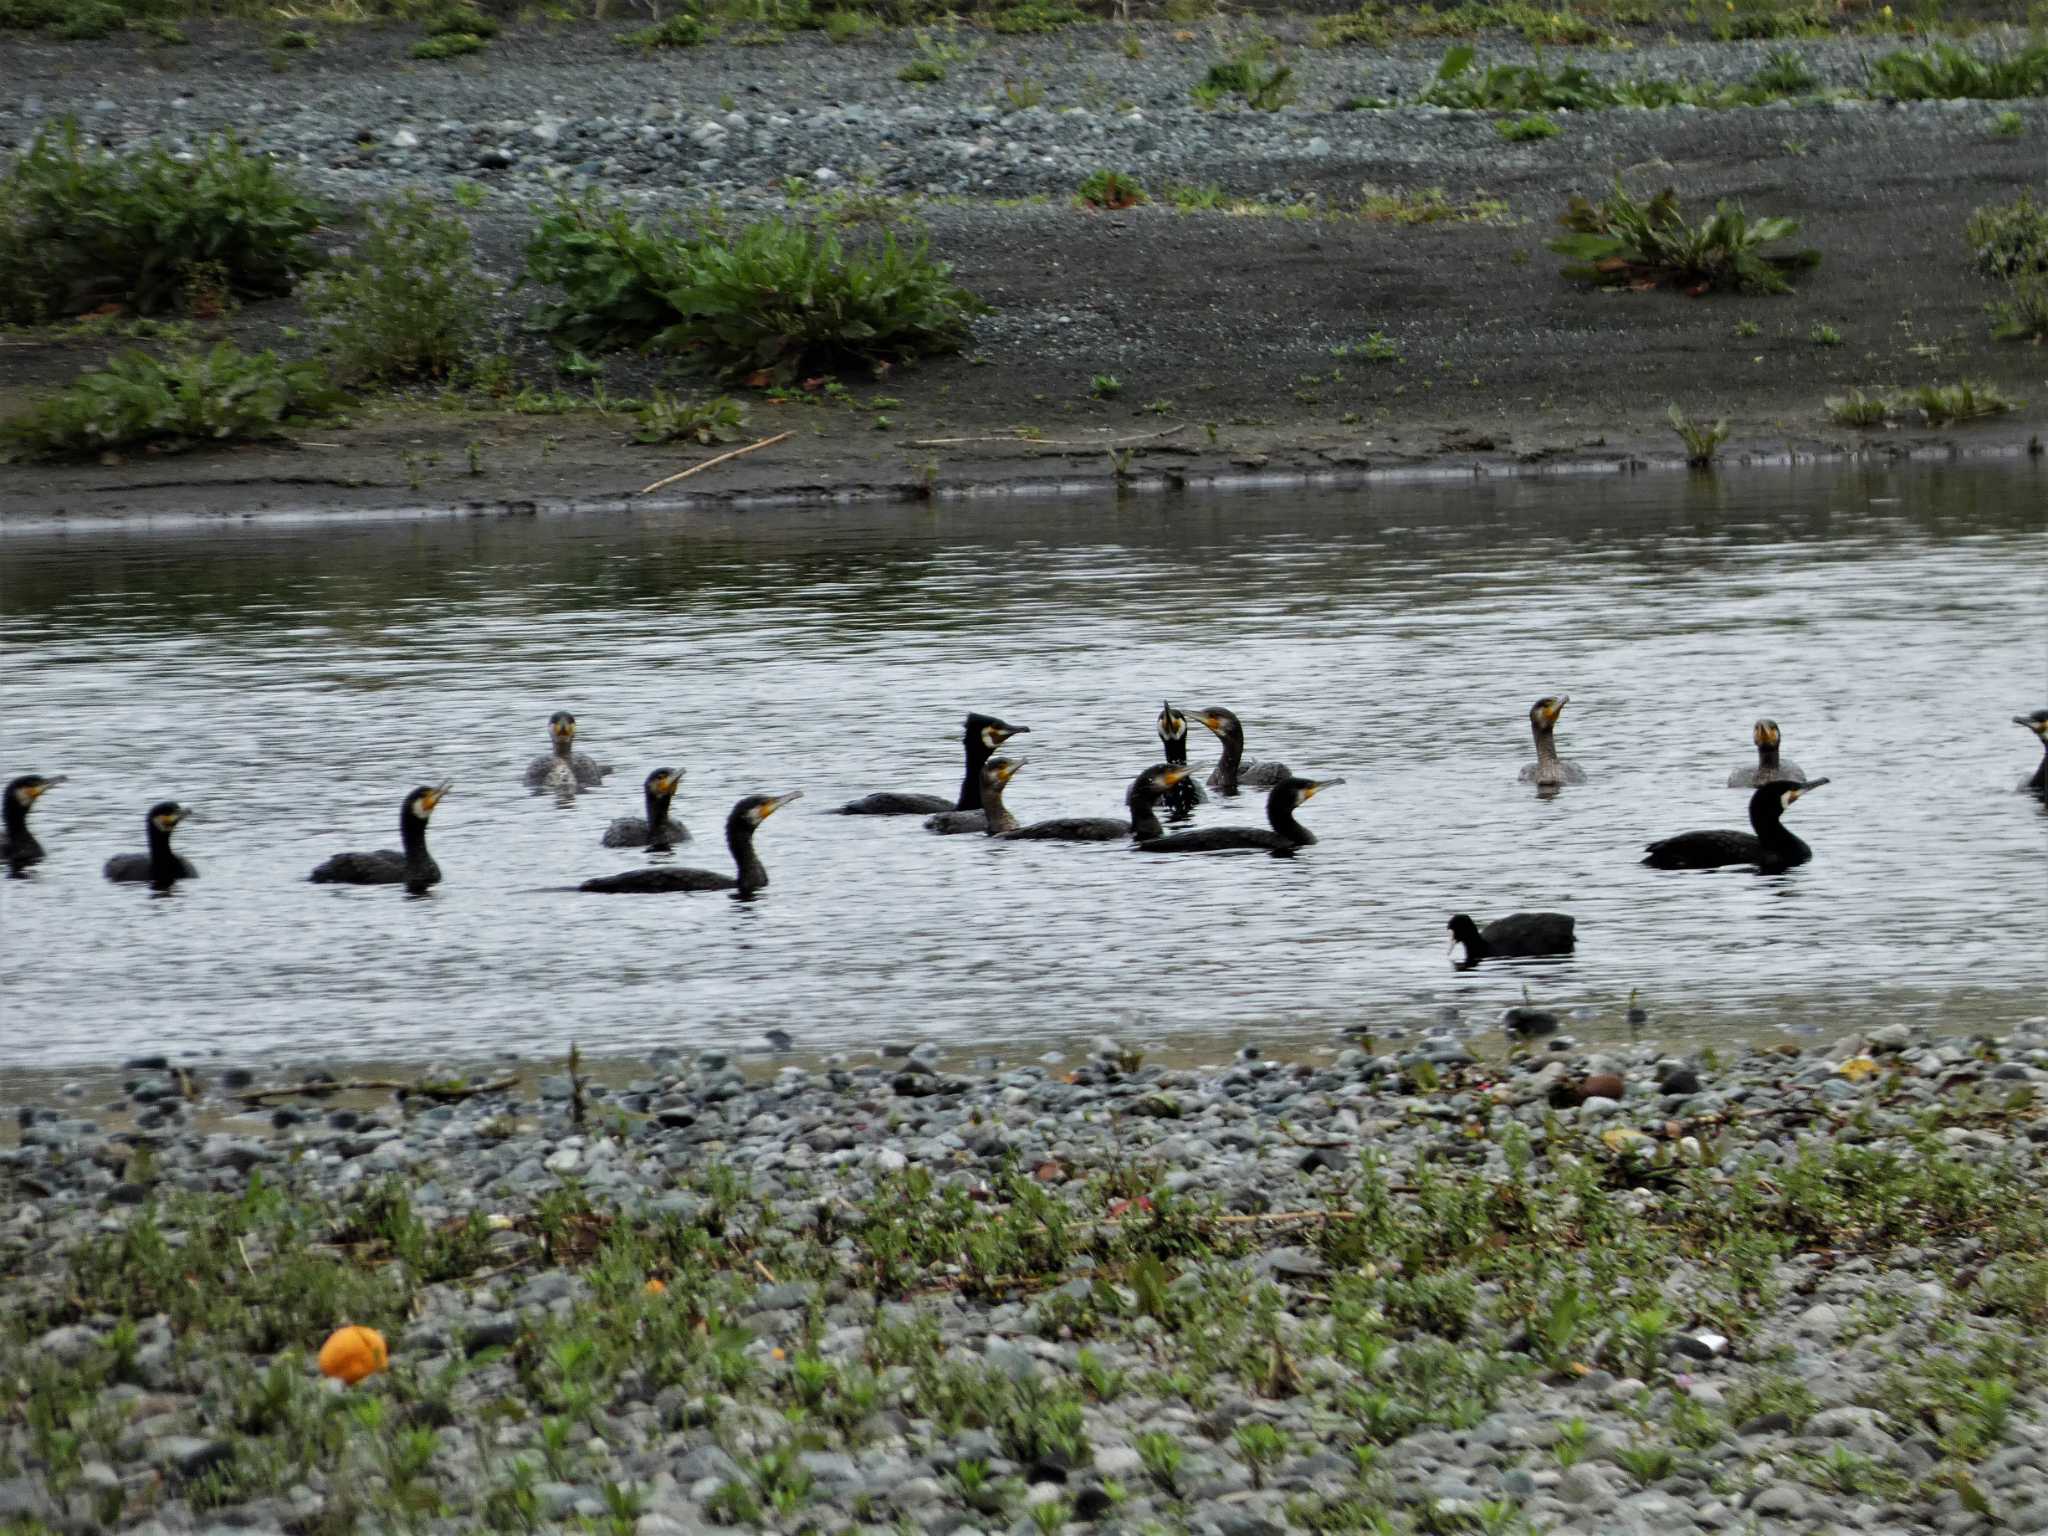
(352, 1353)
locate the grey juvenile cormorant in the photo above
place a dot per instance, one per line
(633, 831)
(980, 735)
(410, 865)
(2037, 722)
(1769, 768)
(160, 867)
(1231, 770)
(1285, 834)
(1770, 849)
(1181, 800)
(1519, 933)
(564, 769)
(1142, 797)
(1549, 770)
(18, 846)
(746, 816)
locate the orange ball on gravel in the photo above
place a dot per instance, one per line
(352, 1353)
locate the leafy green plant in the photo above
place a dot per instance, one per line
(1856, 409)
(1570, 1446)
(449, 45)
(1161, 1455)
(2023, 314)
(1623, 241)
(719, 420)
(1034, 16)
(80, 228)
(1527, 130)
(684, 29)
(406, 303)
(1257, 72)
(1945, 72)
(2008, 125)
(1262, 1447)
(1824, 335)
(2009, 239)
(1647, 1464)
(1105, 386)
(778, 295)
(136, 402)
(1701, 441)
(1110, 189)
(1941, 404)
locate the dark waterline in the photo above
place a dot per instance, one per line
(292, 682)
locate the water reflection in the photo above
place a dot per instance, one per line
(294, 681)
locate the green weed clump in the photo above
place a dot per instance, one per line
(1944, 72)
(1943, 404)
(406, 304)
(1034, 16)
(1460, 83)
(759, 304)
(1257, 73)
(1528, 130)
(1702, 440)
(685, 29)
(2008, 239)
(1110, 189)
(139, 403)
(80, 229)
(1626, 242)
(667, 420)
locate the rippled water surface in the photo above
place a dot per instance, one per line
(292, 680)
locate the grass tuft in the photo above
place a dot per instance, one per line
(1623, 242)
(405, 304)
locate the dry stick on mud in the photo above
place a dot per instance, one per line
(697, 469)
(1046, 442)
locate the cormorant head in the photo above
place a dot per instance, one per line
(166, 814)
(991, 732)
(562, 727)
(663, 781)
(1766, 733)
(1158, 779)
(419, 805)
(997, 772)
(1785, 791)
(2037, 722)
(1463, 929)
(1544, 712)
(1173, 725)
(1289, 793)
(756, 809)
(1220, 721)
(31, 787)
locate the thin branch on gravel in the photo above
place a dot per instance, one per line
(441, 1093)
(698, 469)
(1047, 442)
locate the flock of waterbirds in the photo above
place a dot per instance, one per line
(1170, 785)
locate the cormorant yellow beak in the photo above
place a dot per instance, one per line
(1807, 788)
(2038, 727)
(1318, 787)
(667, 782)
(1212, 720)
(1557, 708)
(170, 819)
(434, 797)
(1175, 774)
(1008, 770)
(37, 791)
(1766, 734)
(777, 804)
(566, 729)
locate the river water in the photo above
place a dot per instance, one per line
(291, 679)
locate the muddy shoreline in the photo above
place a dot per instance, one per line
(1232, 335)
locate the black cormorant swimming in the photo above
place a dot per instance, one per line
(746, 816)
(1181, 800)
(1769, 768)
(1549, 770)
(160, 867)
(657, 829)
(564, 770)
(2037, 722)
(18, 846)
(1143, 798)
(1285, 835)
(1231, 769)
(1520, 933)
(980, 735)
(413, 867)
(1770, 849)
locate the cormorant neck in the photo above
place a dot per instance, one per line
(1546, 743)
(565, 747)
(978, 752)
(1280, 812)
(1233, 755)
(412, 836)
(739, 837)
(657, 818)
(15, 818)
(1176, 748)
(2039, 782)
(1767, 755)
(997, 814)
(163, 864)
(1145, 816)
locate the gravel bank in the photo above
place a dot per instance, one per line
(1232, 332)
(1617, 1291)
